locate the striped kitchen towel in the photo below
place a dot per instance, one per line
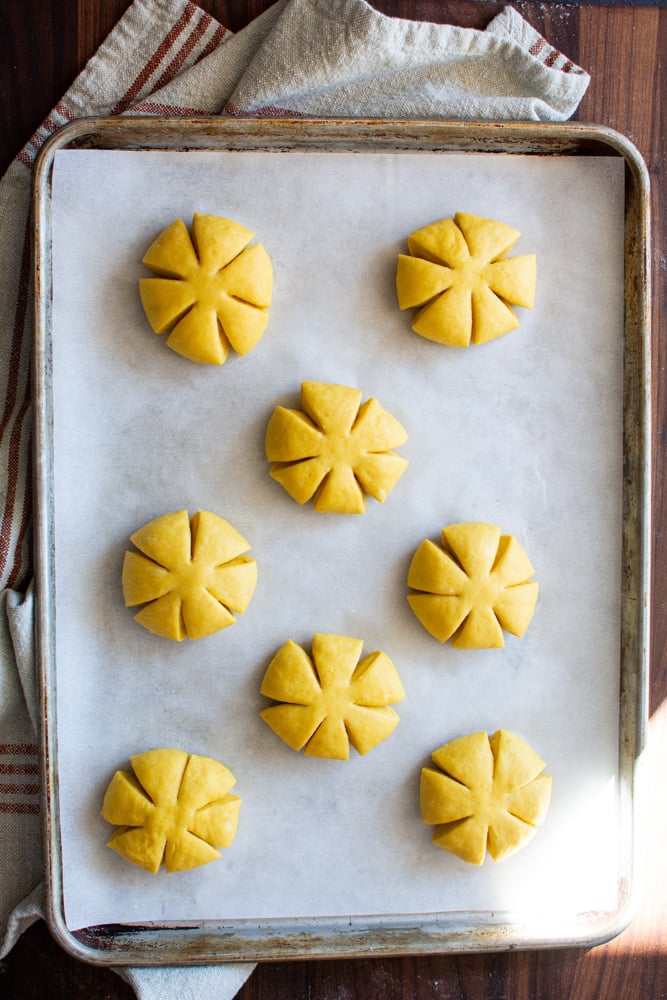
(19, 779)
(169, 57)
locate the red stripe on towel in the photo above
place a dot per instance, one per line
(219, 34)
(184, 51)
(156, 59)
(62, 109)
(154, 108)
(46, 129)
(20, 808)
(14, 788)
(19, 769)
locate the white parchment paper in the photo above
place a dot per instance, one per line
(524, 432)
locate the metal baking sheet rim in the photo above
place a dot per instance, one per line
(209, 942)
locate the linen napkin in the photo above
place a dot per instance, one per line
(169, 57)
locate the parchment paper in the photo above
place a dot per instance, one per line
(524, 432)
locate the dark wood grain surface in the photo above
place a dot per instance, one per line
(43, 45)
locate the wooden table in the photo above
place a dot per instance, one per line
(43, 45)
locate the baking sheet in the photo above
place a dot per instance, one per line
(524, 432)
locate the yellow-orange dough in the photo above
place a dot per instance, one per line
(458, 276)
(484, 793)
(212, 290)
(335, 448)
(473, 587)
(189, 575)
(174, 808)
(331, 699)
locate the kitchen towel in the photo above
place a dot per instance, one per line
(299, 58)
